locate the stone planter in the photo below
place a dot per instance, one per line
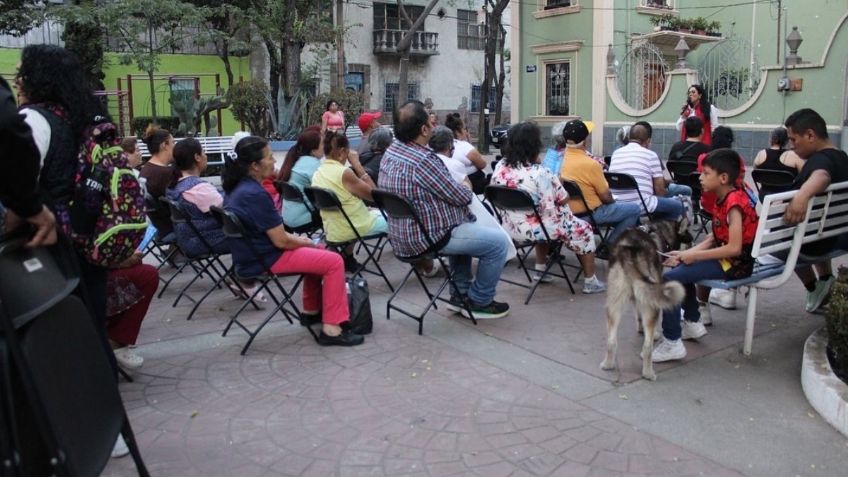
(826, 393)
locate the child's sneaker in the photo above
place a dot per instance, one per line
(693, 330)
(668, 350)
(723, 298)
(593, 285)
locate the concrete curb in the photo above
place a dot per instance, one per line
(826, 393)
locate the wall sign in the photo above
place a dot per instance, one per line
(530, 68)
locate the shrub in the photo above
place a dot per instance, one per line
(249, 104)
(837, 326)
(140, 123)
(350, 102)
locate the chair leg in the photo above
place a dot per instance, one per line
(129, 438)
(749, 320)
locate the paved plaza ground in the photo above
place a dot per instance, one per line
(520, 396)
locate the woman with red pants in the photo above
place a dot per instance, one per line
(130, 288)
(282, 252)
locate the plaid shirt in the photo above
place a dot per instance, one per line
(417, 174)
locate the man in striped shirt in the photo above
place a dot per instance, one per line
(638, 160)
(413, 171)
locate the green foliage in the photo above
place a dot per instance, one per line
(85, 36)
(191, 110)
(837, 324)
(18, 16)
(140, 123)
(249, 104)
(350, 102)
(292, 115)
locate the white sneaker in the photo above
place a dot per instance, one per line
(706, 314)
(128, 358)
(593, 285)
(120, 448)
(538, 275)
(723, 298)
(693, 330)
(668, 350)
(434, 271)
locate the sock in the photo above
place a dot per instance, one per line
(811, 286)
(540, 267)
(825, 278)
(590, 279)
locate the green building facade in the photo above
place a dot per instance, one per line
(616, 62)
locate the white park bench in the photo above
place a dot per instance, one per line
(827, 216)
(214, 147)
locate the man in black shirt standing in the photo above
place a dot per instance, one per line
(19, 167)
(824, 165)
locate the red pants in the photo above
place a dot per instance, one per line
(318, 265)
(123, 328)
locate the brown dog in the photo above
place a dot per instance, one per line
(635, 276)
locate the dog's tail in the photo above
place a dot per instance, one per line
(660, 295)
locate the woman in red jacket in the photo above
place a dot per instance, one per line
(698, 105)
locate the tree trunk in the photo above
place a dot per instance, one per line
(273, 73)
(291, 68)
(404, 46)
(499, 86)
(340, 56)
(225, 58)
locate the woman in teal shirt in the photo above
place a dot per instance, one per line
(298, 168)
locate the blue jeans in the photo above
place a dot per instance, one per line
(688, 275)
(667, 209)
(490, 246)
(678, 189)
(620, 215)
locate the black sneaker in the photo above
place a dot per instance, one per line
(346, 338)
(493, 310)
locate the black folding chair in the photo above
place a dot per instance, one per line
(234, 230)
(517, 200)
(770, 181)
(327, 201)
(619, 181)
(208, 263)
(574, 192)
(398, 208)
(291, 193)
(60, 408)
(163, 248)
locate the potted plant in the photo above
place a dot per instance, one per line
(713, 29)
(699, 25)
(684, 25)
(837, 326)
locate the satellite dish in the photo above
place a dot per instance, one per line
(441, 13)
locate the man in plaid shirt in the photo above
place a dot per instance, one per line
(410, 169)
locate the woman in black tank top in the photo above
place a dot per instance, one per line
(777, 158)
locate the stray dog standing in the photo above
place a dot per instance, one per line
(635, 276)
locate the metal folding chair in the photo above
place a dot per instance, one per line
(293, 194)
(327, 201)
(626, 182)
(234, 230)
(517, 200)
(574, 192)
(163, 248)
(398, 208)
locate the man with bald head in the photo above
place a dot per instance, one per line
(639, 161)
(414, 172)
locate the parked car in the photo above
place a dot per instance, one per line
(499, 135)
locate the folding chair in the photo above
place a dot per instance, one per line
(625, 182)
(769, 181)
(574, 192)
(293, 194)
(326, 200)
(398, 208)
(516, 200)
(686, 173)
(163, 248)
(522, 249)
(234, 230)
(209, 263)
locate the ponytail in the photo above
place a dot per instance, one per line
(237, 163)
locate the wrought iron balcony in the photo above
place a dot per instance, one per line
(424, 43)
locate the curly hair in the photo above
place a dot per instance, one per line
(704, 102)
(40, 83)
(524, 142)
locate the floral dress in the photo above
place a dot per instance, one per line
(552, 203)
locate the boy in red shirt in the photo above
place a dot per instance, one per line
(724, 254)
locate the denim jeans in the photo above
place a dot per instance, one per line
(688, 275)
(678, 189)
(620, 215)
(490, 246)
(667, 209)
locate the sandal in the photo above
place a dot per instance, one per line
(259, 300)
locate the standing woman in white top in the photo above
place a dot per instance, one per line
(697, 104)
(467, 154)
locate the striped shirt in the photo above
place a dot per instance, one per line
(644, 165)
(415, 173)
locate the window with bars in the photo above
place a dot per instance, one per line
(551, 4)
(387, 16)
(390, 100)
(557, 88)
(469, 34)
(476, 89)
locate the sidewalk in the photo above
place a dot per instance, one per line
(519, 396)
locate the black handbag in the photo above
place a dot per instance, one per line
(359, 304)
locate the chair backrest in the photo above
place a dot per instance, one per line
(509, 199)
(178, 214)
(574, 192)
(622, 181)
(150, 203)
(323, 199)
(230, 223)
(680, 169)
(775, 181)
(289, 192)
(399, 208)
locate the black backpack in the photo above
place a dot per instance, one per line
(359, 303)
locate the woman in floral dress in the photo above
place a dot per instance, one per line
(520, 169)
